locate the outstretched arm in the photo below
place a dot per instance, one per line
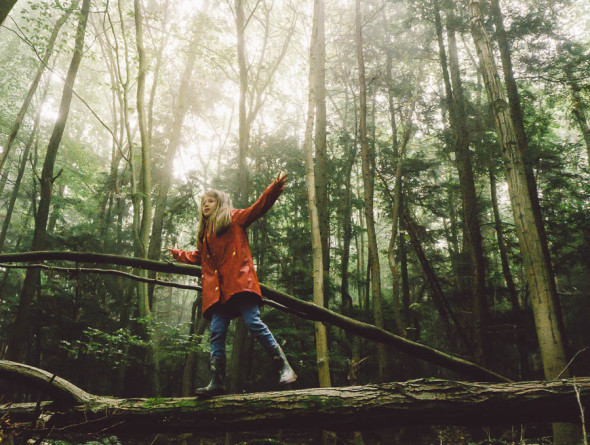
(186, 256)
(245, 217)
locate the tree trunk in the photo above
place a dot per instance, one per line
(517, 311)
(19, 333)
(165, 174)
(472, 232)
(321, 153)
(525, 203)
(440, 301)
(242, 112)
(5, 7)
(409, 325)
(33, 87)
(21, 171)
(323, 359)
(579, 111)
(399, 150)
(368, 182)
(347, 228)
(197, 329)
(533, 246)
(538, 274)
(146, 172)
(417, 402)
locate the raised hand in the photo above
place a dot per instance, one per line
(281, 178)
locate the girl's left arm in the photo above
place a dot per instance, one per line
(245, 217)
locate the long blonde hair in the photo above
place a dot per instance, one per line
(220, 220)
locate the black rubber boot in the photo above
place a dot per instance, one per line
(215, 386)
(287, 375)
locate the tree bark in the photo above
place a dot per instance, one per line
(368, 182)
(321, 152)
(538, 272)
(418, 402)
(244, 131)
(323, 359)
(533, 241)
(146, 162)
(5, 7)
(18, 120)
(20, 328)
(471, 225)
(347, 228)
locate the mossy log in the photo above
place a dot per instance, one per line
(422, 401)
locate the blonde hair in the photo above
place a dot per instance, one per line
(220, 219)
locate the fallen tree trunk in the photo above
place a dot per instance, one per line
(423, 401)
(296, 306)
(55, 387)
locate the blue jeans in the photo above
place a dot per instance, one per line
(246, 306)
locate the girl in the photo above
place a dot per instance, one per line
(230, 284)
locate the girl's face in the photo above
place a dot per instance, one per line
(209, 205)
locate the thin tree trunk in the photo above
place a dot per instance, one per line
(21, 171)
(247, 113)
(18, 336)
(165, 174)
(368, 181)
(111, 186)
(146, 198)
(197, 329)
(399, 151)
(242, 112)
(33, 87)
(323, 360)
(448, 317)
(579, 111)
(472, 232)
(146, 173)
(321, 153)
(347, 229)
(405, 285)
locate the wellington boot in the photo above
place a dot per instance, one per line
(287, 375)
(215, 386)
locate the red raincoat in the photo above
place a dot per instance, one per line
(226, 260)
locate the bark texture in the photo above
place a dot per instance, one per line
(422, 401)
(367, 158)
(321, 336)
(21, 326)
(537, 269)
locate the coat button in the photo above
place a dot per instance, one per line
(234, 253)
(215, 270)
(216, 288)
